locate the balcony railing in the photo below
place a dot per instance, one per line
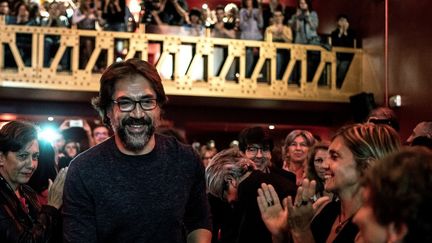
(189, 65)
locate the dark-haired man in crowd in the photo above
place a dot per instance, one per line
(257, 145)
(137, 186)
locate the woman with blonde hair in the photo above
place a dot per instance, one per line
(295, 151)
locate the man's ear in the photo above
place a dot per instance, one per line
(396, 233)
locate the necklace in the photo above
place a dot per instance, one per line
(341, 223)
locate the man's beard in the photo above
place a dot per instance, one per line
(135, 141)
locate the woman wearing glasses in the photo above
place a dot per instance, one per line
(22, 219)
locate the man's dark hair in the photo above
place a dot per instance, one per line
(254, 135)
(279, 8)
(125, 70)
(405, 180)
(15, 135)
(422, 141)
(195, 12)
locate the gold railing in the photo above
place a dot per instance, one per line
(190, 65)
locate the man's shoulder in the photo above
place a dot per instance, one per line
(94, 154)
(171, 143)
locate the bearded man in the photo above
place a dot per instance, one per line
(136, 186)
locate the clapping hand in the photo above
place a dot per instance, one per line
(55, 189)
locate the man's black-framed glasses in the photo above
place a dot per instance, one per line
(127, 105)
(254, 149)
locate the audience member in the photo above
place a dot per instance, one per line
(45, 171)
(257, 145)
(86, 17)
(114, 13)
(24, 40)
(384, 115)
(422, 141)
(295, 151)
(136, 174)
(352, 151)
(316, 170)
(305, 24)
(207, 151)
(397, 199)
(78, 130)
(207, 16)
(5, 11)
(233, 178)
(52, 42)
(195, 26)
(149, 13)
(22, 218)
(342, 36)
(220, 28)
(268, 12)
(70, 150)
(422, 129)
(174, 12)
(251, 26)
(100, 133)
(280, 33)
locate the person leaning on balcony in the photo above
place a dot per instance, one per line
(195, 26)
(280, 33)
(251, 26)
(24, 41)
(86, 17)
(220, 29)
(343, 36)
(305, 24)
(52, 42)
(114, 12)
(5, 11)
(22, 218)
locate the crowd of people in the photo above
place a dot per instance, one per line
(252, 20)
(138, 182)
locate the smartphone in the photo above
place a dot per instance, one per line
(76, 123)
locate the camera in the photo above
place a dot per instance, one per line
(76, 123)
